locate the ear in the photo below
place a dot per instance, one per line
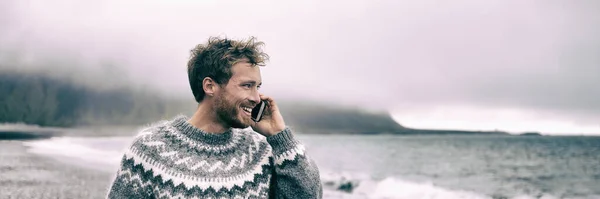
(209, 86)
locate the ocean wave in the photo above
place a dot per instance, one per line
(104, 153)
(397, 188)
(17, 125)
(388, 188)
(98, 153)
(400, 189)
(20, 131)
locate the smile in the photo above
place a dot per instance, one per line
(247, 110)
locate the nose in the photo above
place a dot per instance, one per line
(254, 97)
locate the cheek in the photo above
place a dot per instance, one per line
(237, 97)
(240, 98)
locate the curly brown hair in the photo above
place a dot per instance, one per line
(215, 58)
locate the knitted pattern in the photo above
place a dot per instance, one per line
(173, 159)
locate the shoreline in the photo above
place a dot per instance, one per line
(29, 175)
(48, 170)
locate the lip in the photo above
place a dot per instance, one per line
(245, 112)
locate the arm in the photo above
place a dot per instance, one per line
(296, 175)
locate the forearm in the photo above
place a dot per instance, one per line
(296, 175)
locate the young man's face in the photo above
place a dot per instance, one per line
(235, 100)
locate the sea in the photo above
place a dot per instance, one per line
(411, 167)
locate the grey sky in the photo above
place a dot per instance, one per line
(540, 57)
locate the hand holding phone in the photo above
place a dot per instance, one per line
(267, 112)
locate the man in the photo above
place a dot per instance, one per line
(213, 154)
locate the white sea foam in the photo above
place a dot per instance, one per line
(105, 153)
(97, 153)
(391, 187)
(400, 189)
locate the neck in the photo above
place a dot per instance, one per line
(206, 119)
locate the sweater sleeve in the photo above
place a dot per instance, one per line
(296, 175)
(130, 181)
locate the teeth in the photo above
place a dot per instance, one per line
(247, 109)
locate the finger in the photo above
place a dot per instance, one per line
(266, 98)
(272, 102)
(263, 97)
(272, 105)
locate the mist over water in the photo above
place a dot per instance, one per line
(403, 57)
(510, 65)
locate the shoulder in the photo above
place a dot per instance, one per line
(151, 129)
(255, 141)
(144, 146)
(151, 134)
(250, 135)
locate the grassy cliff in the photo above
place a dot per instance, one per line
(45, 101)
(42, 100)
(314, 117)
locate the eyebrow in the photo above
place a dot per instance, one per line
(251, 82)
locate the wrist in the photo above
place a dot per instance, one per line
(282, 140)
(275, 131)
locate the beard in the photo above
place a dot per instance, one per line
(229, 113)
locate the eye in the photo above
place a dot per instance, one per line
(247, 85)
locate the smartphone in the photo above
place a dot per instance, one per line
(259, 110)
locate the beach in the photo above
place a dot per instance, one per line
(351, 166)
(29, 175)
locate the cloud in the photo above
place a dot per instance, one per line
(536, 56)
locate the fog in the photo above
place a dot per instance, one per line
(517, 65)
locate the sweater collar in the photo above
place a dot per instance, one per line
(182, 125)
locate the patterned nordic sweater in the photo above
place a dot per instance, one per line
(173, 159)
